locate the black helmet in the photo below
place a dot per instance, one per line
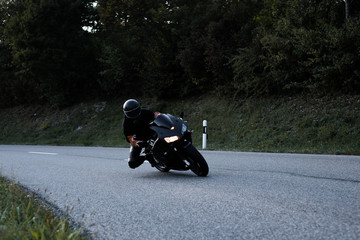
(131, 109)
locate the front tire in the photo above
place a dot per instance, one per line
(161, 167)
(197, 162)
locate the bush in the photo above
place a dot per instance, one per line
(293, 56)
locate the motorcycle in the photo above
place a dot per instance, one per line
(171, 146)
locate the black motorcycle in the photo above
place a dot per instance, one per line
(172, 146)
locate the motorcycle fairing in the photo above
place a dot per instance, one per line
(166, 125)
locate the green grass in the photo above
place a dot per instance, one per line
(300, 124)
(22, 217)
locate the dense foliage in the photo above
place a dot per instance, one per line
(48, 57)
(63, 51)
(300, 45)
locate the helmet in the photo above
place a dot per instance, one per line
(131, 109)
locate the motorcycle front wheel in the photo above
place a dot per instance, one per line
(161, 167)
(197, 162)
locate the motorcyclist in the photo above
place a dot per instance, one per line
(136, 130)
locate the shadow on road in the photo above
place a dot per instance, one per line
(169, 175)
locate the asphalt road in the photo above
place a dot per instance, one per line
(245, 196)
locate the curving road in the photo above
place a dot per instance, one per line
(245, 196)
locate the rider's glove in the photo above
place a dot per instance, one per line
(135, 143)
(156, 114)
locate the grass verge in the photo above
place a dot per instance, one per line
(23, 217)
(298, 124)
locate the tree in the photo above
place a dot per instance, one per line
(299, 46)
(140, 46)
(53, 55)
(214, 30)
(10, 89)
(172, 48)
(352, 8)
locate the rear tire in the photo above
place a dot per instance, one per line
(197, 162)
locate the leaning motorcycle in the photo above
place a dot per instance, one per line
(172, 146)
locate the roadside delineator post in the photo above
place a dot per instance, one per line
(204, 134)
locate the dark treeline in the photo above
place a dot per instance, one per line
(65, 51)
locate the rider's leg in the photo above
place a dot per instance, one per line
(135, 160)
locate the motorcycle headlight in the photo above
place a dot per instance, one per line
(171, 139)
(183, 129)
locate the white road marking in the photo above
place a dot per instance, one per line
(44, 153)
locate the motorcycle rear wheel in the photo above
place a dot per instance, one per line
(198, 164)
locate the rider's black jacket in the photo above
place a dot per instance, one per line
(139, 126)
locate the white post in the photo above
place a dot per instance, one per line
(204, 134)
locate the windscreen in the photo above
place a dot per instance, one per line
(164, 120)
